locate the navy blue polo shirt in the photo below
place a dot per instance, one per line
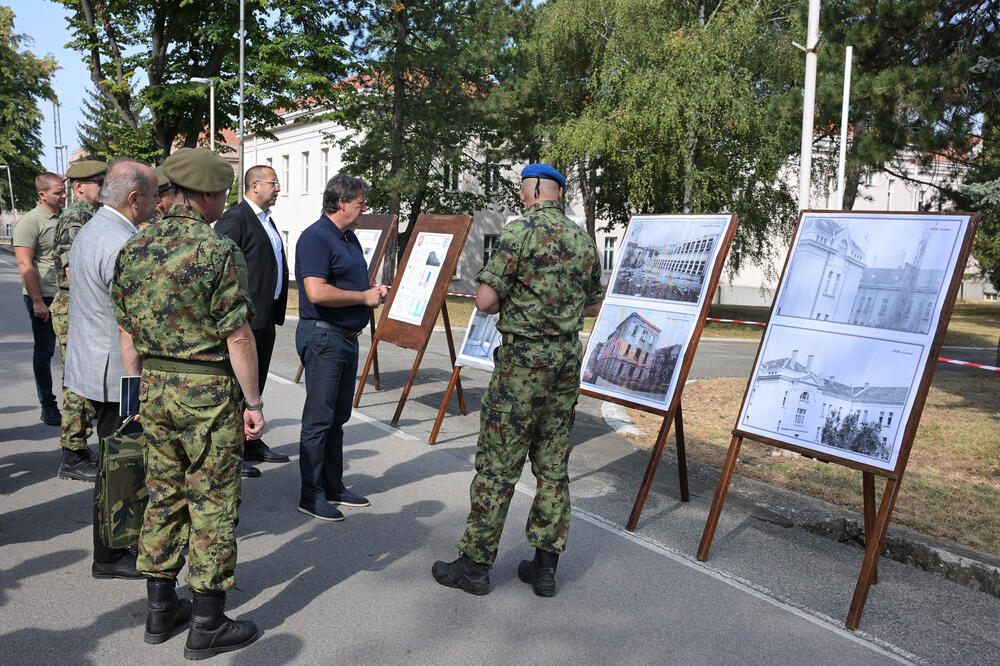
(324, 251)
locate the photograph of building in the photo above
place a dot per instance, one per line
(635, 354)
(883, 273)
(481, 338)
(842, 392)
(666, 259)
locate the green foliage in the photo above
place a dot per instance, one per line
(417, 102)
(293, 56)
(104, 135)
(669, 107)
(848, 434)
(24, 81)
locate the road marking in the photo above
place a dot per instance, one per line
(819, 619)
(381, 426)
(279, 379)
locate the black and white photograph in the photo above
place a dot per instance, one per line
(634, 354)
(843, 394)
(876, 270)
(481, 338)
(667, 257)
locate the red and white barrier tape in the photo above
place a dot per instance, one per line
(761, 323)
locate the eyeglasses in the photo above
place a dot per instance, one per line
(274, 183)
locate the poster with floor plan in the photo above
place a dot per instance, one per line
(851, 332)
(420, 275)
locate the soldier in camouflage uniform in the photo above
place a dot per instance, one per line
(86, 178)
(544, 277)
(180, 293)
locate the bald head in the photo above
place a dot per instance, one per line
(534, 190)
(130, 188)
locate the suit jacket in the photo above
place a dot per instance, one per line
(240, 224)
(94, 365)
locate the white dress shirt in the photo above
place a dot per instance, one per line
(265, 219)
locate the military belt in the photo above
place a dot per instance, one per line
(562, 337)
(188, 367)
(333, 327)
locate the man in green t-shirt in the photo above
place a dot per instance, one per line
(34, 250)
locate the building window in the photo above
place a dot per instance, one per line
(491, 177)
(284, 174)
(305, 172)
(881, 418)
(609, 252)
(990, 296)
(325, 157)
(885, 305)
(869, 177)
(450, 177)
(888, 421)
(489, 247)
(270, 162)
(784, 398)
(800, 416)
(804, 396)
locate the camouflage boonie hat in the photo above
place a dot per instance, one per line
(86, 169)
(198, 170)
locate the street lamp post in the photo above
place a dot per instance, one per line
(211, 107)
(10, 185)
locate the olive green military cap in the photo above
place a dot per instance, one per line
(161, 178)
(86, 169)
(198, 170)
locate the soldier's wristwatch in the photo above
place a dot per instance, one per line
(254, 406)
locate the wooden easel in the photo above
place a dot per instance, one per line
(452, 383)
(876, 522)
(673, 414)
(416, 337)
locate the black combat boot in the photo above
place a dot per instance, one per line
(464, 573)
(212, 632)
(540, 572)
(78, 465)
(165, 613)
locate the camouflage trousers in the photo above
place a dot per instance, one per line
(77, 412)
(194, 449)
(526, 412)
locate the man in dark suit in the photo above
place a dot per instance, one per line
(249, 224)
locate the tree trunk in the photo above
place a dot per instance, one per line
(689, 153)
(853, 171)
(588, 188)
(396, 142)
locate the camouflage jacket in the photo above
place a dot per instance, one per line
(75, 215)
(545, 270)
(180, 288)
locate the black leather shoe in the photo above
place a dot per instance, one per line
(346, 498)
(78, 465)
(540, 572)
(464, 573)
(212, 632)
(256, 450)
(123, 567)
(165, 613)
(51, 415)
(249, 471)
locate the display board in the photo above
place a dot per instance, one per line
(373, 233)
(418, 293)
(844, 366)
(644, 339)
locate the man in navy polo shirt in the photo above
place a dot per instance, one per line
(335, 304)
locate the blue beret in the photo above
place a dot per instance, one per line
(539, 170)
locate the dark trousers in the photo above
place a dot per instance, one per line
(44, 349)
(264, 338)
(108, 422)
(331, 365)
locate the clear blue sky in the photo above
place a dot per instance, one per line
(45, 22)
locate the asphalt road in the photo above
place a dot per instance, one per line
(771, 592)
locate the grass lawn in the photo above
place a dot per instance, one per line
(951, 488)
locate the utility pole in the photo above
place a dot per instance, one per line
(239, 176)
(808, 104)
(57, 130)
(842, 161)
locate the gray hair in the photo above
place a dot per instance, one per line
(124, 176)
(342, 187)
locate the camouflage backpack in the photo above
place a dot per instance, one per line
(123, 496)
